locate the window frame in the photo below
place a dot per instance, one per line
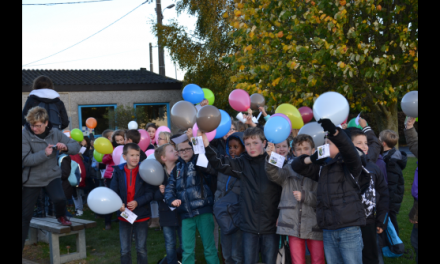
(164, 103)
(88, 106)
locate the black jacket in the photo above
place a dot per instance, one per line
(143, 195)
(396, 162)
(220, 146)
(143, 156)
(166, 216)
(259, 197)
(33, 101)
(339, 200)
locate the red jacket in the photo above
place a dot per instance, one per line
(80, 162)
(108, 160)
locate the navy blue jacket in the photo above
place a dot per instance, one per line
(143, 195)
(166, 216)
(185, 184)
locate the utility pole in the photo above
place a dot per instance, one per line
(151, 57)
(161, 56)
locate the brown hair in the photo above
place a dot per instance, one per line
(42, 82)
(130, 146)
(119, 132)
(240, 127)
(37, 114)
(389, 137)
(106, 133)
(153, 125)
(134, 135)
(301, 138)
(160, 152)
(254, 132)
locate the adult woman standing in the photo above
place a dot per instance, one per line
(41, 169)
(44, 95)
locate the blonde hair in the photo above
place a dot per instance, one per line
(167, 136)
(390, 137)
(37, 114)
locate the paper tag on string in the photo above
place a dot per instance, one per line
(197, 143)
(357, 119)
(129, 216)
(276, 159)
(82, 150)
(202, 161)
(323, 151)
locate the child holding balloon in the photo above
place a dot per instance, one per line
(259, 196)
(297, 218)
(133, 136)
(169, 219)
(136, 195)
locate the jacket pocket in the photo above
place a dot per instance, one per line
(347, 210)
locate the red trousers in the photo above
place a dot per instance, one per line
(298, 250)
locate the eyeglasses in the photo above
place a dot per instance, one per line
(232, 129)
(161, 138)
(181, 151)
(36, 126)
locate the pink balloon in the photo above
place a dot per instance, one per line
(210, 135)
(145, 139)
(161, 129)
(117, 152)
(306, 113)
(149, 152)
(239, 100)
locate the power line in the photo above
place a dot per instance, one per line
(85, 38)
(68, 3)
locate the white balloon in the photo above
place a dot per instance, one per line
(151, 156)
(103, 200)
(151, 171)
(410, 104)
(132, 125)
(331, 105)
(314, 130)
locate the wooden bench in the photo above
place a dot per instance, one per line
(55, 230)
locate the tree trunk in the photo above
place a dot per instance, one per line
(387, 118)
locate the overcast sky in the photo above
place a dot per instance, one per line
(124, 45)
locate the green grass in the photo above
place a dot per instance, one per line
(103, 246)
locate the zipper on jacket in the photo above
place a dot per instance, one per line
(131, 176)
(300, 210)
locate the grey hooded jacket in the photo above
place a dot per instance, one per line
(44, 169)
(296, 218)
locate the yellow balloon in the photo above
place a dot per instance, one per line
(292, 113)
(103, 146)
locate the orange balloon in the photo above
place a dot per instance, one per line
(91, 122)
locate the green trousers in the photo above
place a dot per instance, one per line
(205, 224)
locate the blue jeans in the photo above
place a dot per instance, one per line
(169, 233)
(343, 246)
(140, 231)
(232, 248)
(253, 243)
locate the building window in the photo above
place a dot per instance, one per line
(154, 112)
(100, 113)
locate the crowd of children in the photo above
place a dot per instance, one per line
(322, 206)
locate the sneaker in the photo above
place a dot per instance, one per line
(64, 221)
(79, 213)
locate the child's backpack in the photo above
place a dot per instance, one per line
(392, 246)
(54, 114)
(75, 171)
(366, 188)
(227, 211)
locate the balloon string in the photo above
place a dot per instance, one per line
(258, 117)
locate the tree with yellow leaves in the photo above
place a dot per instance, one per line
(199, 52)
(292, 51)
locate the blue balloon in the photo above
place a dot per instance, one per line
(193, 93)
(225, 125)
(277, 129)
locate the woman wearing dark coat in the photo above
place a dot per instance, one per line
(43, 93)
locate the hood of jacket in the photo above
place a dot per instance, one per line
(338, 158)
(398, 156)
(236, 135)
(45, 94)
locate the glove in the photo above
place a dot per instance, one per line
(315, 160)
(327, 125)
(298, 163)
